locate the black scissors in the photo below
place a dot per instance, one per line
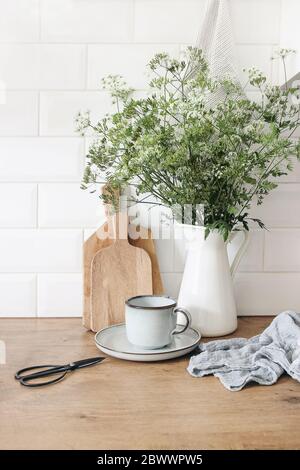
(25, 379)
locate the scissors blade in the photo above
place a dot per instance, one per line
(86, 362)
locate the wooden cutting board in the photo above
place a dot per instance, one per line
(146, 242)
(95, 243)
(90, 247)
(118, 272)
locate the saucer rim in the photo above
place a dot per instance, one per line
(147, 352)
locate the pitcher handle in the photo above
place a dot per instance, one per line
(240, 253)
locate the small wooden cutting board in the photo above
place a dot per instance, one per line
(95, 243)
(146, 242)
(90, 247)
(118, 272)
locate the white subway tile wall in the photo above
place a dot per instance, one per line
(41, 159)
(18, 205)
(168, 21)
(278, 254)
(127, 60)
(266, 293)
(52, 66)
(34, 250)
(66, 205)
(59, 108)
(53, 54)
(256, 21)
(281, 207)
(59, 295)
(254, 55)
(19, 20)
(18, 295)
(87, 21)
(19, 113)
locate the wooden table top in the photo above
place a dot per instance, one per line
(127, 405)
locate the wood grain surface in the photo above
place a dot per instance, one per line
(146, 242)
(90, 247)
(95, 243)
(118, 272)
(127, 405)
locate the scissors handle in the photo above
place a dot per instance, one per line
(25, 379)
(46, 370)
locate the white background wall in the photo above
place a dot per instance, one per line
(52, 56)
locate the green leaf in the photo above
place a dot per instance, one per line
(174, 145)
(232, 210)
(206, 233)
(250, 180)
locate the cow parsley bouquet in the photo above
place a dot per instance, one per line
(176, 145)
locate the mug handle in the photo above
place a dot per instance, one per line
(188, 320)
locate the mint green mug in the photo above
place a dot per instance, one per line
(151, 321)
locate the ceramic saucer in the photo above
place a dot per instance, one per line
(113, 341)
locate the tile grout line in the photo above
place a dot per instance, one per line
(38, 112)
(37, 206)
(280, 20)
(3, 182)
(120, 43)
(264, 250)
(36, 294)
(133, 22)
(40, 22)
(80, 227)
(39, 137)
(50, 228)
(26, 181)
(37, 186)
(177, 273)
(86, 62)
(65, 90)
(40, 273)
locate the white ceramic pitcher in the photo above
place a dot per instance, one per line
(207, 285)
